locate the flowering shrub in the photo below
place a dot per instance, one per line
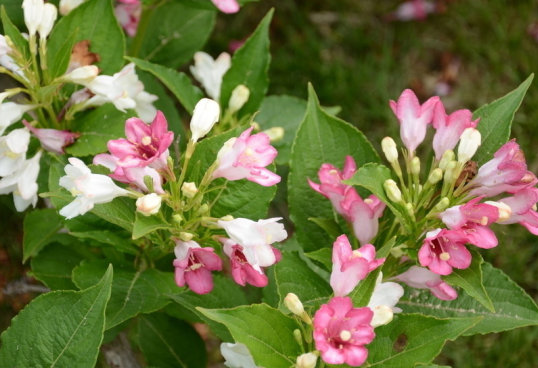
(144, 226)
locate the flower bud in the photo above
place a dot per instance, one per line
(389, 149)
(298, 336)
(189, 189)
(275, 134)
(67, 5)
(442, 205)
(177, 218)
(435, 176)
(227, 218)
(410, 209)
(206, 114)
(239, 98)
(83, 75)
(48, 17)
(148, 204)
(256, 126)
(292, 302)
(469, 142)
(307, 360)
(392, 190)
(415, 166)
(185, 236)
(382, 315)
(203, 209)
(33, 10)
(448, 157)
(449, 171)
(505, 212)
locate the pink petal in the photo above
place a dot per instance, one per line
(355, 355)
(200, 281)
(136, 130)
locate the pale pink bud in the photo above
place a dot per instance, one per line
(307, 360)
(227, 6)
(149, 204)
(51, 139)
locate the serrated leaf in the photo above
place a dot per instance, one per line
(321, 138)
(169, 343)
(266, 332)
(250, 65)
(105, 35)
(177, 82)
(496, 121)
(513, 307)
(59, 329)
(39, 228)
(133, 292)
(470, 280)
(411, 339)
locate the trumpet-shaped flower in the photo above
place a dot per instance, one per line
(422, 278)
(209, 72)
(448, 128)
(193, 266)
(246, 157)
(341, 331)
(13, 147)
(23, 183)
(383, 301)
(205, 115)
(11, 112)
(522, 205)
(89, 189)
(48, 17)
(51, 139)
(256, 239)
(351, 266)
(128, 14)
(444, 249)
(363, 214)
(413, 117)
(5, 58)
(226, 6)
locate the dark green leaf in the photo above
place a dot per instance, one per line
(15, 35)
(38, 230)
(58, 62)
(144, 225)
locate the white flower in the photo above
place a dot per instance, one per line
(469, 142)
(82, 75)
(148, 204)
(236, 355)
(256, 238)
(10, 112)
(66, 6)
(383, 301)
(23, 183)
(48, 17)
(5, 58)
(33, 11)
(209, 72)
(89, 189)
(13, 149)
(204, 117)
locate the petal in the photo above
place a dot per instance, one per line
(355, 355)
(200, 281)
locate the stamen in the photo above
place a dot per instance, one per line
(345, 335)
(146, 141)
(444, 256)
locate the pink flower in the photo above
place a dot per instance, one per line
(146, 145)
(506, 172)
(351, 266)
(53, 140)
(413, 117)
(444, 249)
(449, 128)
(128, 13)
(413, 10)
(194, 265)
(341, 331)
(421, 278)
(242, 271)
(246, 157)
(523, 206)
(227, 6)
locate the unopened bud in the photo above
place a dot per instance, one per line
(435, 176)
(382, 315)
(298, 336)
(469, 142)
(442, 205)
(275, 134)
(392, 190)
(177, 218)
(410, 209)
(450, 171)
(239, 98)
(415, 166)
(448, 157)
(307, 360)
(203, 209)
(185, 236)
(389, 149)
(292, 302)
(256, 126)
(48, 17)
(148, 204)
(227, 218)
(189, 189)
(505, 212)
(206, 114)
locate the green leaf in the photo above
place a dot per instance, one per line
(38, 230)
(323, 256)
(293, 275)
(108, 237)
(321, 138)
(58, 62)
(496, 121)
(14, 10)
(250, 65)
(266, 332)
(121, 211)
(59, 329)
(286, 112)
(105, 35)
(470, 280)
(177, 82)
(175, 31)
(133, 292)
(14, 34)
(513, 307)
(412, 339)
(225, 294)
(144, 225)
(97, 127)
(170, 343)
(330, 226)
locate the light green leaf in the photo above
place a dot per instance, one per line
(170, 343)
(121, 211)
(412, 339)
(133, 292)
(266, 332)
(59, 329)
(108, 237)
(38, 230)
(144, 225)
(14, 34)
(496, 121)
(105, 35)
(513, 307)
(58, 62)
(177, 82)
(250, 64)
(470, 280)
(321, 138)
